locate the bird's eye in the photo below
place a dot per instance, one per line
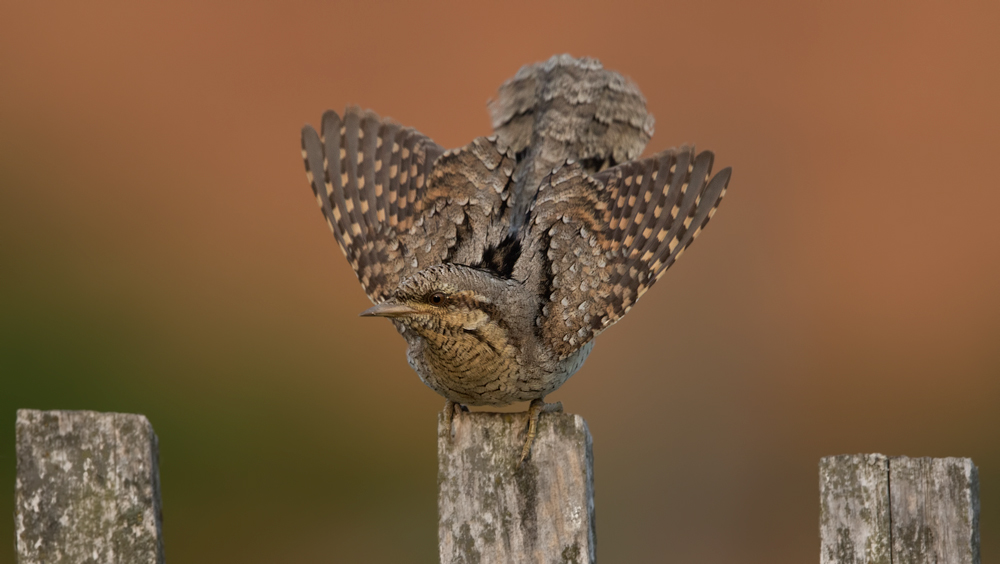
(437, 298)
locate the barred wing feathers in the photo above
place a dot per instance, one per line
(396, 201)
(610, 236)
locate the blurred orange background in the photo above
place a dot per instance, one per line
(162, 253)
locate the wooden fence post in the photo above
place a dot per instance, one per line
(493, 512)
(87, 488)
(880, 510)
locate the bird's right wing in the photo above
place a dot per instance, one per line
(396, 201)
(611, 235)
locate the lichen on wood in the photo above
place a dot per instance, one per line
(854, 509)
(493, 511)
(880, 510)
(87, 489)
(935, 510)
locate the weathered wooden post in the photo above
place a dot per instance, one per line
(492, 511)
(880, 510)
(87, 489)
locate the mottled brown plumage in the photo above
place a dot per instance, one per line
(501, 261)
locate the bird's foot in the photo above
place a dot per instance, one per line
(451, 408)
(537, 407)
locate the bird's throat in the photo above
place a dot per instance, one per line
(473, 364)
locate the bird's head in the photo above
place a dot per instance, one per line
(447, 299)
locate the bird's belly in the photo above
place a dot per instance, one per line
(473, 373)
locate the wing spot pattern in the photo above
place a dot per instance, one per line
(619, 215)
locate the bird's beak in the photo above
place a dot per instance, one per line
(388, 309)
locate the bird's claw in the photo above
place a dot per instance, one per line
(451, 408)
(537, 407)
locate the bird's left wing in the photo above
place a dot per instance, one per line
(611, 235)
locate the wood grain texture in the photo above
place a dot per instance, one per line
(935, 510)
(87, 488)
(899, 510)
(492, 511)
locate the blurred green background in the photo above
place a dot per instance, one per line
(161, 253)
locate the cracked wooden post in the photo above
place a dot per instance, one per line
(493, 512)
(880, 510)
(87, 488)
